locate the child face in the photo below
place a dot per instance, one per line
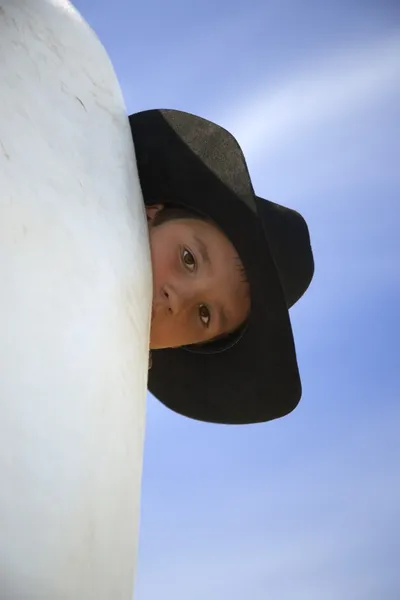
(199, 291)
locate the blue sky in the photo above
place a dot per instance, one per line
(307, 507)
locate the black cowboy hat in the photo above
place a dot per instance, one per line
(252, 375)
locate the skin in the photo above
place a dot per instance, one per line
(199, 290)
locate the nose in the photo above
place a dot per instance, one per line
(175, 300)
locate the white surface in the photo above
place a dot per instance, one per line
(75, 293)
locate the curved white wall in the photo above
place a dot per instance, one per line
(75, 293)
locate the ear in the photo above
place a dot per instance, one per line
(153, 210)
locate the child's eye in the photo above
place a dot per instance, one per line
(204, 315)
(188, 260)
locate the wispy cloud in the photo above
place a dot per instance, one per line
(340, 83)
(318, 518)
(325, 527)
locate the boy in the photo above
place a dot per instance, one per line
(227, 266)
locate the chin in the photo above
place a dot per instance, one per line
(161, 338)
(159, 344)
(156, 343)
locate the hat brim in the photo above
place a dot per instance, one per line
(190, 161)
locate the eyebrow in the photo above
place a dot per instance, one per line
(223, 318)
(203, 250)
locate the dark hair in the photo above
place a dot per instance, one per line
(172, 212)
